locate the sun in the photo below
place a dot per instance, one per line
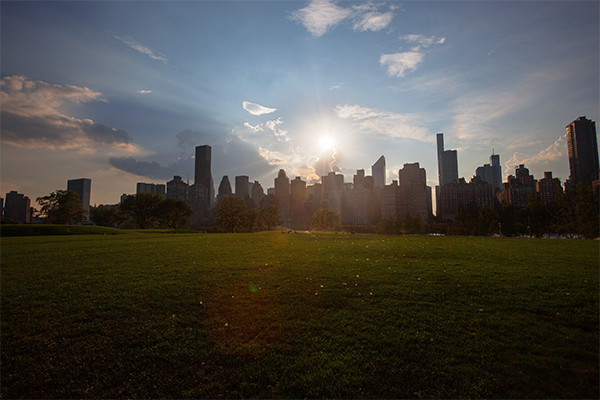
(326, 143)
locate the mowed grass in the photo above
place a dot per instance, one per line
(272, 315)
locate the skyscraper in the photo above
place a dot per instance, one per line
(224, 189)
(583, 151)
(378, 172)
(282, 192)
(447, 162)
(83, 187)
(202, 172)
(17, 207)
(241, 186)
(491, 173)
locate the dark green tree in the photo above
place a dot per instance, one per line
(270, 216)
(386, 226)
(251, 220)
(230, 213)
(141, 209)
(61, 207)
(409, 225)
(104, 216)
(586, 211)
(325, 220)
(173, 214)
(487, 221)
(464, 222)
(539, 218)
(509, 221)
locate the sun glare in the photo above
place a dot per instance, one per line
(326, 143)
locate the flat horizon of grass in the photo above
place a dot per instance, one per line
(271, 315)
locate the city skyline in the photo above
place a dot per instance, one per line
(91, 89)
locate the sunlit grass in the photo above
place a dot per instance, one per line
(274, 315)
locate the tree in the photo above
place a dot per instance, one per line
(325, 220)
(386, 226)
(61, 207)
(173, 214)
(230, 213)
(251, 219)
(141, 209)
(539, 217)
(104, 216)
(586, 211)
(487, 221)
(270, 216)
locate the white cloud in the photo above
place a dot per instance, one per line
(423, 40)
(134, 44)
(272, 157)
(373, 21)
(280, 134)
(384, 122)
(399, 63)
(253, 128)
(257, 109)
(144, 91)
(319, 16)
(545, 160)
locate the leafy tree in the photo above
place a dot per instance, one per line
(487, 221)
(539, 217)
(173, 214)
(141, 209)
(230, 213)
(270, 216)
(509, 220)
(251, 220)
(409, 224)
(104, 216)
(61, 207)
(325, 220)
(386, 226)
(464, 223)
(418, 225)
(586, 211)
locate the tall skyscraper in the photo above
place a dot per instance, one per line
(83, 187)
(224, 189)
(491, 173)
(378, 172)
(282, 192)
(241, 186)
(202, 172)
(583, 151)
(447, 162)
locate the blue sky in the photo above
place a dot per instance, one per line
(122, 92)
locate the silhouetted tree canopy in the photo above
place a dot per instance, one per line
(270, 216)
(104, 216)
(230, 213)
(173, 214)
(325, 220)
(141, 209)
(61, 207)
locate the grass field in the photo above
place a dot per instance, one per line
(271, 315)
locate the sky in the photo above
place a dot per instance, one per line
(122, 92)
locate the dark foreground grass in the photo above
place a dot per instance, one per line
(274, 315)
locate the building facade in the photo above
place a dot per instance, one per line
(83, 187)
(582, 144)
(17, 207)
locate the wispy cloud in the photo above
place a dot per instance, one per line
(423, 40)
(33, 117)
(384, 122)
(144, 91)
(134, 44)
(272, 157)
(399, 63)
(257, 109)
(320, 16)
(541, 161)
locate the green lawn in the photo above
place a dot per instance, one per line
(272, 315)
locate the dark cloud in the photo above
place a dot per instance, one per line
(152, 169)
(234, 158)
(32, 116)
